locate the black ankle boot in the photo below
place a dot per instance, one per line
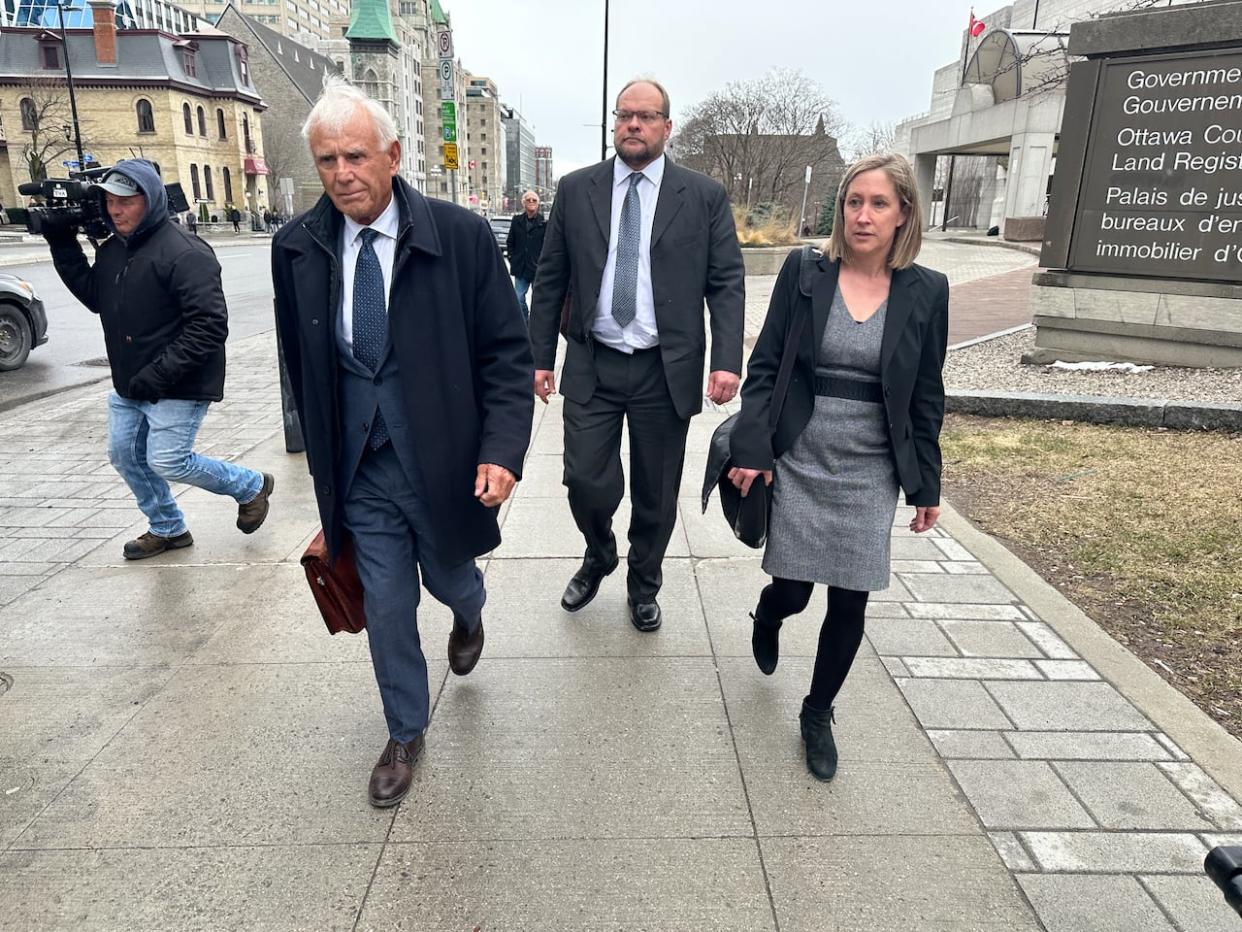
(765, 643)
(821, 749)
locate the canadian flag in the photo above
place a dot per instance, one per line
(976, 25)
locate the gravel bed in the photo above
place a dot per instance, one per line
(995, 366)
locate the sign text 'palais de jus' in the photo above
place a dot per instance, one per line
(1162, 189)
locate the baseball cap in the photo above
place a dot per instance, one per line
(119, 184)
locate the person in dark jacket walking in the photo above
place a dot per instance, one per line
(411, 371)
(235, 216)
(156, 288)
(523, 247)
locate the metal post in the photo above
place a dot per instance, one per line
(806, 187)
(603, 124)
(73, 101)
(948, 193)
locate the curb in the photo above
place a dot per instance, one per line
(1207, 743)
(993, 241)
(1097, 409)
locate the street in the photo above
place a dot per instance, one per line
(74, 351)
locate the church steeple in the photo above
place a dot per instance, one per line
(371, 20)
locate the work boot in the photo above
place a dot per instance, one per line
(150, 545)
(251, 514)
(821, 749)
(765, 642)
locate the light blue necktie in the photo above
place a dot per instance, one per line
(370, 320)
(625, 275)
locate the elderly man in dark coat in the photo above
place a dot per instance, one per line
(411, 370)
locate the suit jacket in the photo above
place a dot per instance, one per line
(457, 336)
(912, 351)
(695, 257)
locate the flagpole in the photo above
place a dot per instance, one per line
(948, 185)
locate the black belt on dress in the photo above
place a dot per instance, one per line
(852, 389)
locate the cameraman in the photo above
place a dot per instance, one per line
(156, 288)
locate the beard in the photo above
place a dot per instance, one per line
(637, 156)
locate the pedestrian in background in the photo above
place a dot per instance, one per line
(523, 246)
(411, 372)
(639, 244)
(158, 294)
(861, 418)
(235, 216)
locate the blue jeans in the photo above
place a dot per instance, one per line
(152, 444)
(521, 286)
(385, 515)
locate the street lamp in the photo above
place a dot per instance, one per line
(603, 122)
(73, 101)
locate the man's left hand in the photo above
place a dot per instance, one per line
(722, 386)
(493, 484)
(142, 387)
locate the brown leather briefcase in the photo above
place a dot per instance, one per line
(335, 586)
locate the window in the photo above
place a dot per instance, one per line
(211, 191)
(188, 63)
(146, 118)
(198, 192)
(246, 133)
(243, 61)
(220, 123)
(189, 119)
(49, 55)
(228, 185)
(30, 116)
(202, 122)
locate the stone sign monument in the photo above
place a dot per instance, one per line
(1144, 232)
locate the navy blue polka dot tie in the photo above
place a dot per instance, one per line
(370, 320)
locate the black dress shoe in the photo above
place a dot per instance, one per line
(645, 616)
(583, 586)
(464, 647)
(765, 643)
(394, 772)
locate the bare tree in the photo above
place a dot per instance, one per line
(876, 137)
(47, 121)
(757, 138)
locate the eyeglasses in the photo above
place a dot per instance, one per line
(644, 116)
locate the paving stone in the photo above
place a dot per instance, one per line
(1067, 707)
(916, 566)
(1086, 745)
(989, 639)
(1212, 801)
(951, 704)
(1011, 851)
(1047, 640)
(1067, 670)
(869, 884)
(1194, 903)
(1093, 904)
(1178, 753)
(972, 668)
(572, 883)
(13, 587)
(278, 889)
(1030, 613)
(961, 610)
(963, 567)
(895, 666)
(1130, 795)
(1019, 794)
(975, 590)
(544, 527)
(1116, 852)
(971, 745)
(915, 548)
(953, 550)
(902, 637)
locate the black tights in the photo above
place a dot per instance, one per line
(839, 636)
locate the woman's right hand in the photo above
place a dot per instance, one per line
(742, 477)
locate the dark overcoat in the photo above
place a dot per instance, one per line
(912, 352)
(461, 347)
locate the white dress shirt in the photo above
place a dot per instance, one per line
(385, 246)
(641, 332)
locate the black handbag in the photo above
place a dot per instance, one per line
(748, 514)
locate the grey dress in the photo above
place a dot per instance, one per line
(835, 490)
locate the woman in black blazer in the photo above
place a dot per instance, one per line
(861, 418)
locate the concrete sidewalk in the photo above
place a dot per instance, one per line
(182, 746)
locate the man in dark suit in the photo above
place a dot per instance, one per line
(523, 246)
(410, 368)
(638, 243)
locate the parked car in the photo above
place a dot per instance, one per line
(23, 322)
(500, 227)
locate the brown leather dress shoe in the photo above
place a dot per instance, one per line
(250, 516)
(393, 773)
(464, 647)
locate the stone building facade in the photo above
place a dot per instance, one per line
(485, 134)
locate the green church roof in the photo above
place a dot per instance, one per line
(437, 14)
(371, 19)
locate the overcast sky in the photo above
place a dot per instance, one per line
(874, 58)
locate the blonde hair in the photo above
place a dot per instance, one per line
(909, 238)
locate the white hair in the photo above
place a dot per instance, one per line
(527, 194)
(339, 102)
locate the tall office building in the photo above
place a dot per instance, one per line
(545, 182)
(304, 20)
(519, 156)
(130, 14)
(486, 137)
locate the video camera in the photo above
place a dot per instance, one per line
(1224, 866)
(70, 202)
